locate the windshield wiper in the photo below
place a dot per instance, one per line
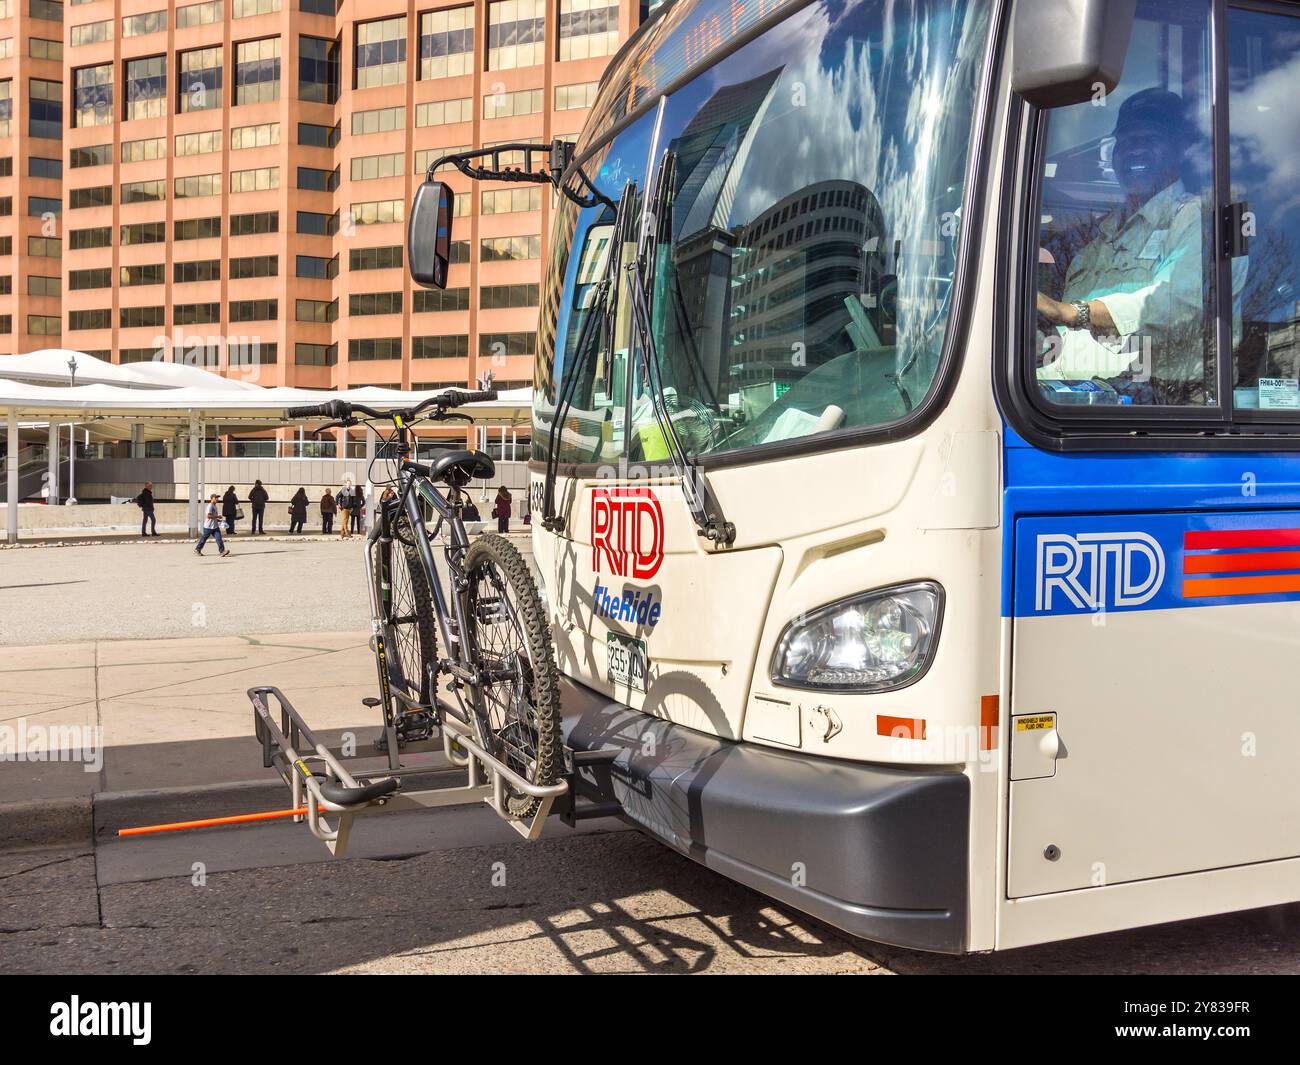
(597, 315)
(704, 506)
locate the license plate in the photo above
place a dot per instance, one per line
(627, 661)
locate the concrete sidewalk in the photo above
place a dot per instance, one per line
(125, 717)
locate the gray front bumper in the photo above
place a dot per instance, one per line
(877, 851)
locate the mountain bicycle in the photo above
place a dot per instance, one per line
(497, 657)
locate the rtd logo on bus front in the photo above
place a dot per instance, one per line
(627, 532)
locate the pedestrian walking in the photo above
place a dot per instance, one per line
(298, 511)
(212, 528)
(147, 519)
(501, 509)
(230, 509)
(328, 507)
(257, 498)
(359, 510)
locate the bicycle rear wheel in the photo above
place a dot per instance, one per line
(406, 614)
(513, 649)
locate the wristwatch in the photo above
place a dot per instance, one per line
(1084, 321)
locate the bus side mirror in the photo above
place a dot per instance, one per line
(428, 234)
(1069, 51)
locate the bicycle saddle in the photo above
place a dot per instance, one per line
(458, 468)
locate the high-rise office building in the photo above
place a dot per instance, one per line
(233, 178)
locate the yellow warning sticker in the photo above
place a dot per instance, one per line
(1036, 722)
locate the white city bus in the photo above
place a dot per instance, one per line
(914, 476)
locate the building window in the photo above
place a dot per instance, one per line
(258, 180)
(90, 155)
(378, 212)
(45, 247)
(507, 344)
(185, 188)
(92, 32)
(510, 201)
(142, 233)
(446, 43)
(200, 81)
(389, 258)
(315, 180)
(97, 237)
(196, 313)
(254, 310)
(313, 136)
(500, 297)
(144, 191)
(516, 32)
(40, 206)
(317, 224)
(50, 10)
(44, 286)
(199, 270)
(254, 266)
(248, 225)
(39, 167)
(146, 87)
(426, 301)
(196, 228)
(257, 71)
(373, 167)
(374, 349)
(259, 136)
(96, 196)
(368, 303)
(144, 274)
(318, 69)
(443, 347)
(100, 318)
(573, 97)
(6, 106)
(140, 25)
(198, 143)
(40, 48)
(512, 104)
(126, 355)
(380, 120)
(249, 8)
(380, 56)
(319, 7)
(588, 28)
(444, 112)
(92, 98)
(317, 267)
(509, 249)
(198, 14)
(144, 150)
(315, 354)
(316, 311)
(140, 317)
(45, 109)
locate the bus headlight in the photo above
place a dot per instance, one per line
(873, 642)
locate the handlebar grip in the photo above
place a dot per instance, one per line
(460, 398)
(341, 795)
(335, 408)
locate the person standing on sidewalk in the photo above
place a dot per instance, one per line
(257, 498)
(297, 511)
(501, 509)
(145, 502)
(345, 500)
(230, 509)
(327, 509)
(359, 509)
(212, 528)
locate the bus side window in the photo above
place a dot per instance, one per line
(1264, 126)
(1126, 279)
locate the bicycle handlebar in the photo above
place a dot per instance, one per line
(341, 409)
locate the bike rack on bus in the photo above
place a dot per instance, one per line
(321, 784)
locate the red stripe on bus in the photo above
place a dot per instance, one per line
(988, 722)
(1204, 540)
(1241, 563)
(1198, 588)
(901, 728)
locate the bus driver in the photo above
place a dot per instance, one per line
(1134, 296)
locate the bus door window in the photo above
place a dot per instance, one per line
(1264, 124)
(1126, 278)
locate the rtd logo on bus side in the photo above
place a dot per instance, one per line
(627, 529)
(1095, 570)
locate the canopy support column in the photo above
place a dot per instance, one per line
(11, 495)
(194, 476)
(371, 437)
(52, 477)
(72, 463)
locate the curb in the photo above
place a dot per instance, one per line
(46, 822)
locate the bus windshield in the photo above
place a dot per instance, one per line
(805, 197)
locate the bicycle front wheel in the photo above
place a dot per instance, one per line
(406, 614)
(513, 649)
